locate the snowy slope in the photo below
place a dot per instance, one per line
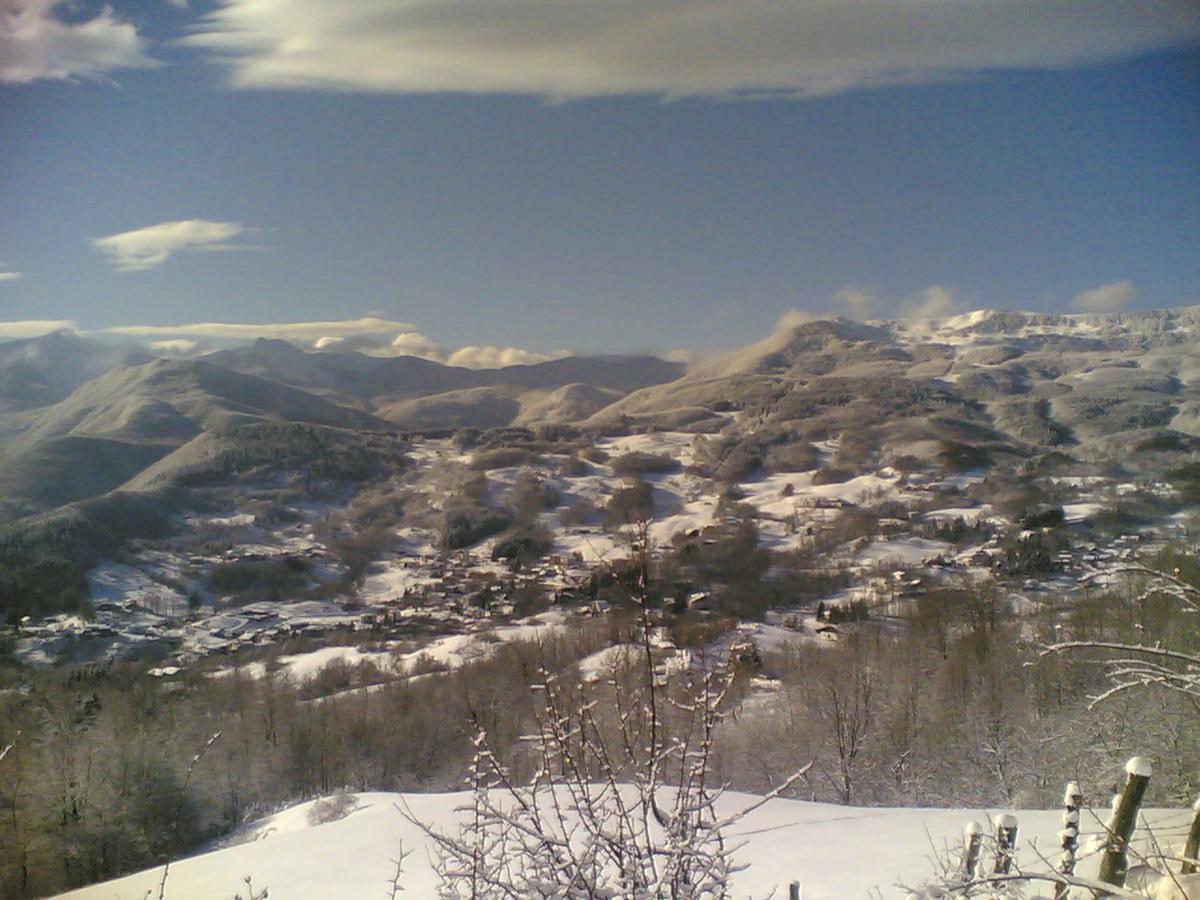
(834, 851)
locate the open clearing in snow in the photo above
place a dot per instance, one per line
(837, 852)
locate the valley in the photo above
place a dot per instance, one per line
(334, 563)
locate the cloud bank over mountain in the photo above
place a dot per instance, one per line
(1111, 297)
(373, 335)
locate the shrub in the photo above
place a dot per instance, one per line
(331, 809)
(501, 458)
(573, 467)
(1045, 518)
(728, 458)
(1186, 480)
(529, 495)
(1031, 555)
(798, 457)
(250, 580)
(359, 550)
(832, 475)
(523, 544)
(463, 526)
(630, 504)
(466, 438)
(578, 513)
(956, 457)
(1167, 442)
(41, 586)
(637, 463)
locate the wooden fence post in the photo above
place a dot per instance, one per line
(1072, 803)
(972, 843)
(1191, 849)
(1006, 843)
(794, 891)
(1115, 862)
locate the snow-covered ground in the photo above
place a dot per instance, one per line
(969, 515)
(112, 582)
(449, 652)
(142, 599)
(904, 551)
(1081, 512)
(833, 851)
(301, 666)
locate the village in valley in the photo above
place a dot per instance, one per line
(419, 607)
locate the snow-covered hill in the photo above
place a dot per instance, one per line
(833, 851)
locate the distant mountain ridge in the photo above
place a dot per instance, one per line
(1015, 382)
(420, 394)
(979, 386)
(114, 426)
(40, 371)
(384, 379)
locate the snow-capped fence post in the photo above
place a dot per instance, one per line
(972, 844)
(1115, 862)
(1006, 843)
(1072, 802)
(1191, 849)
(794, 891)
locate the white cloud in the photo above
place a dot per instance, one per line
(858, 300)
(30, 328)
(177, 346)
(373, 335)
(489, 357)
(1105, 298)
(145, 248)
(412, 343)
(576, 48)
(679, 355)
(35, 43)
(791, 320)
(290, 331)
(7, 274)
(935, 302)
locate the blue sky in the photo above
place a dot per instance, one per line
(592, 183)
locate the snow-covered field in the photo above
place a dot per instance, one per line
(905, 551)
(448, 652)
(113, 582)
(833, 851)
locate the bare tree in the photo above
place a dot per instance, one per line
(621, 801)
(1134, 665)
(849, 705)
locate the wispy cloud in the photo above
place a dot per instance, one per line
(791, 320)
(35, 43)
(935, 302)
(413, 343)
(30, 328)
(176, 346)
(371, 334)
(490, 357)
(859, 301)
(1105, 298)
(7, 274)
(576, 48)
(304, 332)
(146, 248)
